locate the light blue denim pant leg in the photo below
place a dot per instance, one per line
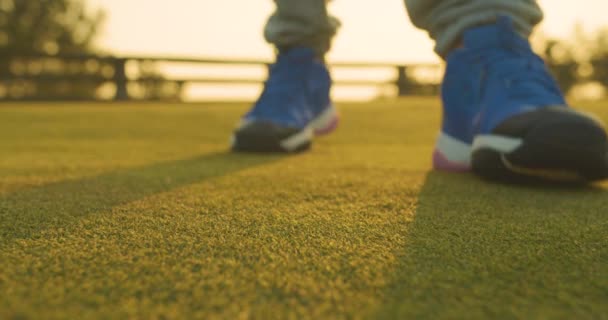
(307, 22)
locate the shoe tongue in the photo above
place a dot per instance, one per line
(501, 34)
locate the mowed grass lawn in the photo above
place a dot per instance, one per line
(138, 211)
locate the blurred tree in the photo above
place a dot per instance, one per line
(599, 58)
(560, 59)
(48, 27)
(583, 59)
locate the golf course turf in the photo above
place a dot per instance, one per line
(112, 211)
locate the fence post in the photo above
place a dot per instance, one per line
(268, 69)
(120, 79)
(180, 90)
(402, 83)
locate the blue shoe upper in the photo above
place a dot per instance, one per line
(296, 92)
(501, 76)
(460, 98)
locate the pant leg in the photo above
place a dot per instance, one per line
(301, 23)
(446, 20)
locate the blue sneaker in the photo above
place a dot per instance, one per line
(460, 107)
(523, 128)
(294, 106)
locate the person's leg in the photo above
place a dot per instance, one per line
(295, 104)
(446, 20)
(297, 23)
(504, 114)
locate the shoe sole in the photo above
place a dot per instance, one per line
(560, 146)
(267, 137)
(451, 154)
(327, 122)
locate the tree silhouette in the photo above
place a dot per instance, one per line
(29, 29)
(599, 58)
(46, 26)
(560, 60)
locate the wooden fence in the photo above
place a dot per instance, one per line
(22, 77)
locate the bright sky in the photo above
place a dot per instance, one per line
(377, 30)
(373, 30)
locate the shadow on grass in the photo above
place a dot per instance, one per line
(23, 214)
(480, 250)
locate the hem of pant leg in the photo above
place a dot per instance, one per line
(449, 38)
(319, 39)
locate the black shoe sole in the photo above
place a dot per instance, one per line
(266, 137)
(553, 144)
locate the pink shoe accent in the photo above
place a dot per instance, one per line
(441, 162)
(331, 127)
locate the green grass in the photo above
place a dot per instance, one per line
(138, 211)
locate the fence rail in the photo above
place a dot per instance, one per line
(42, 77)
